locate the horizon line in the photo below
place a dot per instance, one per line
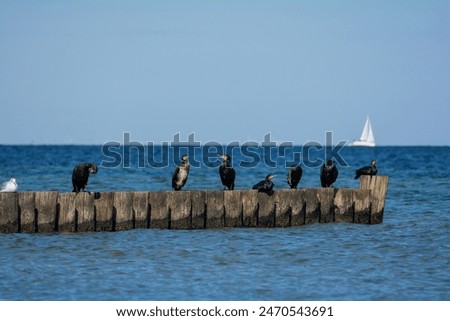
(220, 144)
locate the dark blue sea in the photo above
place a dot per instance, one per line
(407, 257)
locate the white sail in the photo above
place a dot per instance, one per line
(367, 138)
(370, 138)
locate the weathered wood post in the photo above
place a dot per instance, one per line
(9, 212)
(159, 209)
(378, 186)
(84, 204)
(67, 221)
(104, 208)
(215, 211)
(28, 223)
(343, 205)
(45, 206)
(123, 208)
(361, 199)
(250, 208)
(283, 209)
(180, 209)
(266, 209)
(312, 213)
(298, 208)
(233, 208)
(141, 210)
(198, 211)
(326, 200)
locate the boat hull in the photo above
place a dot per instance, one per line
(362, 143)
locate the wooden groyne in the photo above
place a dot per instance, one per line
(51, 211)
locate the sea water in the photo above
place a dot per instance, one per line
(407, 257)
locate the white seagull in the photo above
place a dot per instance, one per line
(9, 186)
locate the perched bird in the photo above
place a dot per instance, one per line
(367, 170)
(80, 175)
(294, 176)
(226, 172)
(180, 175)
(266, 185)
(9, 186)
(328, 174)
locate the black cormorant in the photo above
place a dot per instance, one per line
(80, 175)
(294, 176)
(180, 175)
(367, 170)
(227, 173)
(328, 174)
(266, 185)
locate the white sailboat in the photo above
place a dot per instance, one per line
(367, 139)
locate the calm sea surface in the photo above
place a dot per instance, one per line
(405, 258)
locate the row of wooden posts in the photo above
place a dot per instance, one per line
(51, 211)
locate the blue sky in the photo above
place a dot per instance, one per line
(85, 72)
